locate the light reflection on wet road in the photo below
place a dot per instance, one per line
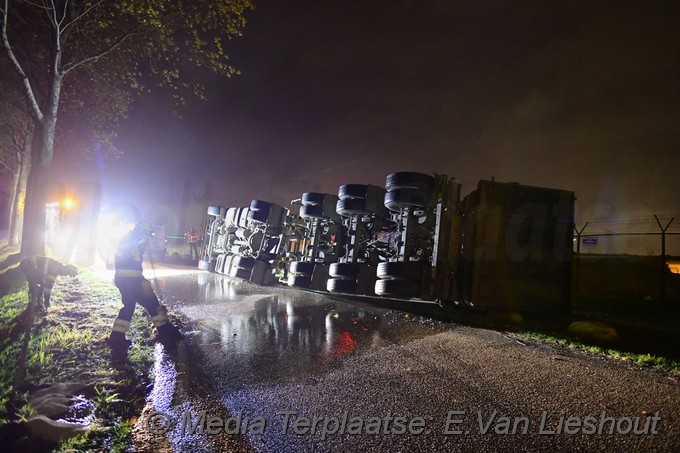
(257, 351)
(245, 336)
(254, 334)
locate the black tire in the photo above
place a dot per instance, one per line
(260, 205)
(399, 288)
(259, 211)
(214, 210)
(408, 179)
(412, 270)
(351, 206)
(312, 212)
(204, 265)
(258, 274)
(258, 216)
(243, 262)
(312, 198)
(352, 191)
(301, 268)
(338, 285)
(348, 271)
(300, 281)
(407, 198)
(240, 273)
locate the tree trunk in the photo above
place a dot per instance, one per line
(33, 234)
(13, 206)
(16, 219)
(42, 148)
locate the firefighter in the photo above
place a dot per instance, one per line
(41, 272)
(193, 239)
(135, 289)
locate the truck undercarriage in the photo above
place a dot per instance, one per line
(504, 246)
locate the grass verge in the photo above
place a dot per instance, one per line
(69, 344)
(662, 363)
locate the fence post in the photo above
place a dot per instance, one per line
(578, 255)
(663, 255)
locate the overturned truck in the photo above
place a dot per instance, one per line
(504, 246)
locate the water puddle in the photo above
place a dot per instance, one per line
(80, 412)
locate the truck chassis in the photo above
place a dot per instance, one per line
(504, 246)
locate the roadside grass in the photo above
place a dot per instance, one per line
(627, 289)
(658, 362)
(69, 344)
(630, 309)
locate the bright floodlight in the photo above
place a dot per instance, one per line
(68, 203)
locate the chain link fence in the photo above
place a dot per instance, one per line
(639, 236)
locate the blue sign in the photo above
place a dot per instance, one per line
(589, 241)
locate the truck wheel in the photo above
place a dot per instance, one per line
(344, 270)
(204, 265)
(214, 211)
(351, 206)
(352, 191)
(338, 285)
(259, 273)
(300, 281)
(219, 263)
(412, 270)
(242, 220)
(301, 268)
(399, 288)
(258, 216)
(259, 211)
(312, 198)
(240, 273)
(311, 212)
(231, 217)
(227, 264)
(407, 198)
(243, 262)
(408, 179)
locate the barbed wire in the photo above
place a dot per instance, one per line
(630, 225)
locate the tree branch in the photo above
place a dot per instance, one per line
(30, 95)
(70, 67)
(79, 16)
(52, 14)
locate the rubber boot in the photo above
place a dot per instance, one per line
(168, 333)
(118, 340)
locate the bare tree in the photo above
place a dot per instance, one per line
(69, 49)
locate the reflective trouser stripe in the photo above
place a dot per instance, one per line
(160, 319)
(121, 325)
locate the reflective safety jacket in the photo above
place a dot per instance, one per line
(129, 254)
(192, 237)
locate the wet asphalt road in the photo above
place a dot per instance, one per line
(298, 371)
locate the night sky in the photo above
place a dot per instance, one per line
(575, 95)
